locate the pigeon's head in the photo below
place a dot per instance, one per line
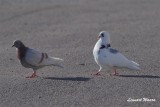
(104, 36)
(18, 44)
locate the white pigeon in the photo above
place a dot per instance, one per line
(31, 58)
(109, 58)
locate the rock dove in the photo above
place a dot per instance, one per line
(34, 59)
(109, 58)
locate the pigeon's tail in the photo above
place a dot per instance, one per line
(134, 66)
(54, 61)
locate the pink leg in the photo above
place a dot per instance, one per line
(33, 75)
(114, 73)
(97, 73)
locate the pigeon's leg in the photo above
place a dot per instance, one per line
(33, 75)
(114, 73)
(98, 73)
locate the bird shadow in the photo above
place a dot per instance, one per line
(69, 78)
(139, 76)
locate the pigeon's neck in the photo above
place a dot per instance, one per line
(21, 52)
(103, 44)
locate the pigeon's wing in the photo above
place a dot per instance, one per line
(33, 57)
(116, 59)
(37, 58)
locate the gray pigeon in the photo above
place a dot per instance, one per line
(31, 58)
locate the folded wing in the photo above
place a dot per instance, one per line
(119, 60)
(37, 58)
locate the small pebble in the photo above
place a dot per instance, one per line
(10, 59)
(82, 64)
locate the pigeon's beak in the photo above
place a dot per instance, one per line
(98, 37)
(13, 45)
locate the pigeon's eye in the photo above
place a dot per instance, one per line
(102, 35)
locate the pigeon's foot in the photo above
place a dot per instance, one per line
(97, 74)
(32, 76)
(114, 74)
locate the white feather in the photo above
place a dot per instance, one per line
(106, 58)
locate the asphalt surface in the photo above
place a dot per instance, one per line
(68, 29)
